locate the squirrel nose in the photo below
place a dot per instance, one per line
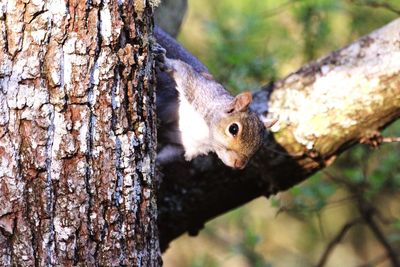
(239, 164)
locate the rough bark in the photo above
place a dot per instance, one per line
(323, 108)
(77, 134)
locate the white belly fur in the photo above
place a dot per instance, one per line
(194, 130)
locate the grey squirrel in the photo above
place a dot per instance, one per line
(199, 116)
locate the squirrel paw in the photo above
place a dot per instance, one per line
(160, 57)
(158, 51)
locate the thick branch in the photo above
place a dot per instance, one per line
(323, 109)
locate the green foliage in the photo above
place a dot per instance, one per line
(375, 172)
(248, 43)
(315, 19)
(312, 196)
(240, 54)
(246, 238)
(247, 248)
(204, 260)
(396, 224)
(361, 12)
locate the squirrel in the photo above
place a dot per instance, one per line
(199, 116)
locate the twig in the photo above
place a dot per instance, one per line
(375, 4)
(328, 205)
(354, 188)
(367, 211)
(275, 11)
(390, 139)
(334, 242)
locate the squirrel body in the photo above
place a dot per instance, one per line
(210, 119)
(196, 141)
(198, 115)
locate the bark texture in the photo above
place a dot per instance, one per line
(77, 134)
(323, 109)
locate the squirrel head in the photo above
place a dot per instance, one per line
(239, 133)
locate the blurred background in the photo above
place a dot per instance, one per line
(246, 44)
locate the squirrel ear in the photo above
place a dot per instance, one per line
(242, 101)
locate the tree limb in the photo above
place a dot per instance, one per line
(324, 108)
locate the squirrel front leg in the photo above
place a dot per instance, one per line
(185, 77)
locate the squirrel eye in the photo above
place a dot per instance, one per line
(233, 129)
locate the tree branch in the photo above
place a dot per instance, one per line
(376, 4)
(367, 212)
(324, 108)
(390, 139)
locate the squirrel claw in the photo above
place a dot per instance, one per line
(158, 50)
(159, 55)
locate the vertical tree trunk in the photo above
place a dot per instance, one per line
(77, 134)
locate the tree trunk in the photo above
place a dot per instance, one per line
(77, 134)
(77, 184)
(323, 109)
